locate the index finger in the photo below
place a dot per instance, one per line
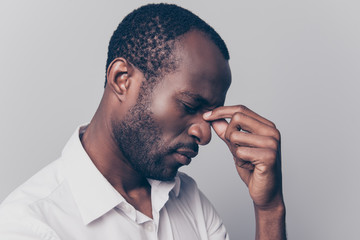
(228, 112)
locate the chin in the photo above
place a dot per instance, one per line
(164, 175)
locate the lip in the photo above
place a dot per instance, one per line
(187, 152)
(184, 156)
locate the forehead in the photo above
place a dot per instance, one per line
(202, 69)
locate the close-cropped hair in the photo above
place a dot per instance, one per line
(146, 37)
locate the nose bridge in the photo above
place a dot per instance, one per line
(201, 130)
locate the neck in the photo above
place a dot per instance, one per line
(99, 143)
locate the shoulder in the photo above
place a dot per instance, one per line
(38, 187)
(19, 212)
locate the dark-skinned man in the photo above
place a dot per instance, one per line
(117, 178)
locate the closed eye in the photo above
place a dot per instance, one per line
(189, 109)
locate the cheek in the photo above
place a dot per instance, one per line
(168, 115)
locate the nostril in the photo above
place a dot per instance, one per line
(197, 140)
(195, 132)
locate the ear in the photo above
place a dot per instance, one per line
(118, 75)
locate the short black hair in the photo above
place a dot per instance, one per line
(146, 37)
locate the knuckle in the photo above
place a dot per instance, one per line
(239, 153)
(237, 116)
(272, 124)
(273, 143)
(271, 156)
(275, 133)
(268, 157)
(242, 108)
(227, 135)
(233, 137)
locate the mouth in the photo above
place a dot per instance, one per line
(184, 155)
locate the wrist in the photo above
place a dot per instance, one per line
(271, 213)
(277, 204)
(270, 221)
(274, 203)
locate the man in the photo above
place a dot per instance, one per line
(117, 178)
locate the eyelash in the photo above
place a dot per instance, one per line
(189, 109)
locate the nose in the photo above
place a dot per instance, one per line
(201, 131)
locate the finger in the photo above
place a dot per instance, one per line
(244, 169)
(241, 121)
(245, 139)
(257, 156)
(228, 111)
(244, 165)
(220, 127)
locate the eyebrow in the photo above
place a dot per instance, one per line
(196, 97)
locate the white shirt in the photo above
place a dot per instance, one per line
(70, 199)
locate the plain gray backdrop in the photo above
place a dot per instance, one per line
(296, 63)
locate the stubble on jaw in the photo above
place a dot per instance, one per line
(138, 137)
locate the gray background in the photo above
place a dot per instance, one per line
(294, 62)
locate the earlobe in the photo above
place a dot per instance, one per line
(118, 77)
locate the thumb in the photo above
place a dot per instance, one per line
(220, 127)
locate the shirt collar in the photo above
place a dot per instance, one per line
(93, 194)
(160, 191)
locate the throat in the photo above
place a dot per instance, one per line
(140, 199)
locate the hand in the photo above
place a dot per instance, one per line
(255, 145)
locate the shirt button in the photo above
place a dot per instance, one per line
(149, 226)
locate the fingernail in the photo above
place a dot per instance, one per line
(207, 114)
